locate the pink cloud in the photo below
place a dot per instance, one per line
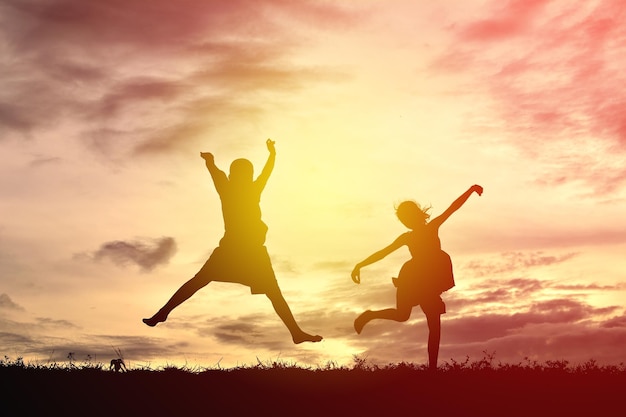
(153, 25)
(465, 329)
(591, 287)
(516, 261)
(554, 72)
(142, 70)
(512, 19)
(576, 344)
(518, 295)
(619, 321)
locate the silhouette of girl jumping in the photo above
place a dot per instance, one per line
(424, 277)
(241, 256)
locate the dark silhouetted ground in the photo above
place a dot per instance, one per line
(277, 390)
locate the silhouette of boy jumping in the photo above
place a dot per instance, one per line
(241, 256)
(424, 277)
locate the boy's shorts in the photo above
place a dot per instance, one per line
(249, 266)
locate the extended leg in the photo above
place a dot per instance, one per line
(284, 312)
(184, 292)
(434, 337)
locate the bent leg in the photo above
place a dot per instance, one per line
(285, 314)
(188, 289)
(401, 313)
(434, 337)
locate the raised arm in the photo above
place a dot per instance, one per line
(219, 177)
(269, 165)
(377, 256)
(437, 221)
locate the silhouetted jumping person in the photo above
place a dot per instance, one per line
(241, 256)
(424, 277)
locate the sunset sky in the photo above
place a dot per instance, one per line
(106, 207)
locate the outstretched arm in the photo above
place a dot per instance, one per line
(219, 177)
(269, 165)
(376, 256)
(437, 221)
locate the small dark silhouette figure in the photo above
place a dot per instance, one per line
(424, 277)
(241, 256)
(118, 364)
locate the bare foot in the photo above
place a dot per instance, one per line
(361, 321)
(154, 320)
(305, 337)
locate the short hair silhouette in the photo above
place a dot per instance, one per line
(241, 170)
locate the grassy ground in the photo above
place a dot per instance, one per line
(458, 389)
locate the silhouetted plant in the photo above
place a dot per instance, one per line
(359, 363)
(329, 366)
(8, 362)
(486, 363)
(453, 365)
(531, 363)
(71, 358)
(591, 366)
(556, 365)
